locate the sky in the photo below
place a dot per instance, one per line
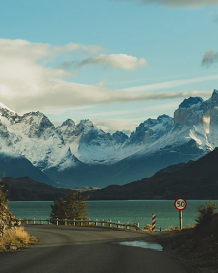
(115, 62)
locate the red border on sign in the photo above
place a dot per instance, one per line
(183, 200)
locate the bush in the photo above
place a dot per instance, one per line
(206, 213)
(70, 207)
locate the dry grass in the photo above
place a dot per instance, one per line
(172, 228)
(148, 227)
(15, 239)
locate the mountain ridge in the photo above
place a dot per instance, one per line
(84, 155)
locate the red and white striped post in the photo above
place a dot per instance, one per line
(153, 222)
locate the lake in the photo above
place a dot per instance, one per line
(139, 211)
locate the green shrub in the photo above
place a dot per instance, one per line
(206, 213)
(70, 207)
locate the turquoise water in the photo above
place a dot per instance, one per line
(139, 211)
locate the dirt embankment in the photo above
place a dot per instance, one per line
(196, 247)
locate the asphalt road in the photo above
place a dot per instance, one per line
(86, 250)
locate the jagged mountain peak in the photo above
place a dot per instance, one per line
(215, 93)
(85, 126)
(153, 122)
(119, 133)
(120, 136)
(7, 114)
(149, 121)
(86, 122)
(191, 102)
(35, 124)
(37, 118)
(68, 160)
(164, 117)
(213, 100)
(194, 111)
(151, 129)
(68, 122)
(4, 107)
(33, 114)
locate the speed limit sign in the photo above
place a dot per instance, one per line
(180, 204)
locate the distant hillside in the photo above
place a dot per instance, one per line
(26, 189)
(193, 180)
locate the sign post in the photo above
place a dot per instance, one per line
(180, 204)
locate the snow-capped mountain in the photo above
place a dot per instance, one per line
(84, 155)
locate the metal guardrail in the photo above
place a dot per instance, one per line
(82, 222)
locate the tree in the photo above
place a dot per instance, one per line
(70, 207)
(206, 213)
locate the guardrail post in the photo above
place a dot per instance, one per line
(81, 222)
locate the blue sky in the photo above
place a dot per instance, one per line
(115, 62)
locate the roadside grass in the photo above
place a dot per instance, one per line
(16, 239)
(172, 228)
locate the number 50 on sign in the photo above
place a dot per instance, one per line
(180, 204)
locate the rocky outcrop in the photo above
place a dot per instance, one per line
(187, 107)
(151, 130)
(194, 110)
(8, 221)
(12, 236)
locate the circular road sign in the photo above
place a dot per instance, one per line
(180, 203)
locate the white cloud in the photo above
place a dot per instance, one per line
(35, 51)
(122, 61)
(169, 84)
(27, 85)
(111, 126)
(178, 3)
(210, 57)
(91, 49)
